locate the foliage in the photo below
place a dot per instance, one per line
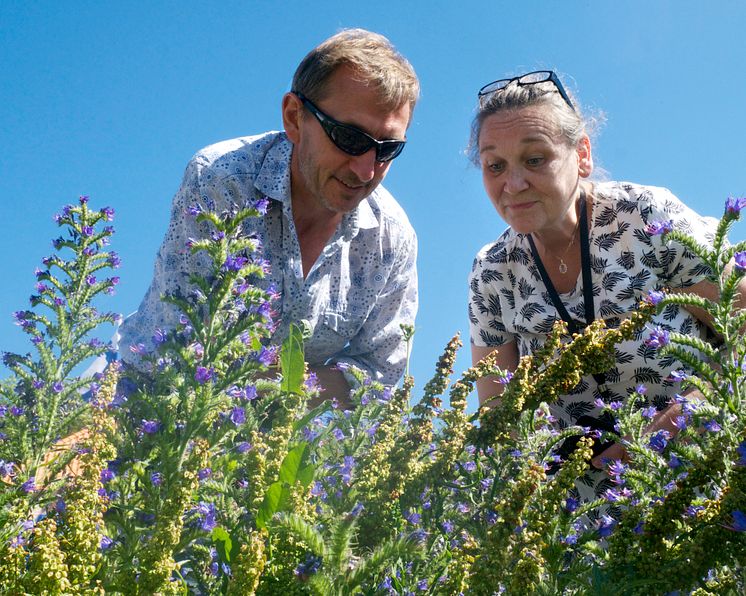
(208, 468)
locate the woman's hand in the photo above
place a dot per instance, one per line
(663, 420)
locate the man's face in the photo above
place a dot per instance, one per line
(322, 175)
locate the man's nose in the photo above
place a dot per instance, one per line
(364, 166)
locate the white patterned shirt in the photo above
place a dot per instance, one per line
(356, 295)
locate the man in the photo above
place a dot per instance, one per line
(341, 251)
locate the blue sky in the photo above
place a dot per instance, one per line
(112, 99)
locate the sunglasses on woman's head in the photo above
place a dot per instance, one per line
(350, 139)
(531, 78)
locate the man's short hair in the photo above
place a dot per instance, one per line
(373, 58)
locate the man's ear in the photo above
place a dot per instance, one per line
(585, 157)
(292, 115)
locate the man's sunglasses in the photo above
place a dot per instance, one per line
(351, 140)
(531, 78)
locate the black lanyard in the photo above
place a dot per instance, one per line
(585, 261)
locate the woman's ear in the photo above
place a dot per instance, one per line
(585, 157)
(292, 109)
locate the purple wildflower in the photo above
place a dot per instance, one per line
(90, 280)
(739, 521)
(740, 259)
(338, 434)
(641, 389)
(29, 486)
(150, 426)
(108, 213)
(203, 375)
(267, 355)
(606, 526)
(657, 228)
(571, 504)
(204, 474)
(741, 450)
(106, 543)
(243, 447)
(195, 210)
(413, 517)
(659, 337)
(734, 205)
(649, 412)
(83, 199)
(156, 479)
(347, 468)
(261, 205)
(16, 410)
(659, 440)
(205, 516)
(463, 508)
(238, 416)
(309, 567)
(673, 461)
(114, 260)
(680, 422)
(505, 377)
(713, 426)
(198, 349)
(138, 349)
(422, 585)
(235, 263)
(107, 475)
(159, 336)
(677, 376)
(86, 231)
(654, 297)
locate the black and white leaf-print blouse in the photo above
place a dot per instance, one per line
(509, 302)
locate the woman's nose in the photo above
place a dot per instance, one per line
(515, 181)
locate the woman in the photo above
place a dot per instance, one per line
(575, 250)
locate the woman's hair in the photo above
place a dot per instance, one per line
(572, 124)
(374, 60)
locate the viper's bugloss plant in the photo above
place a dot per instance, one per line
(44, 415)
(205, 468)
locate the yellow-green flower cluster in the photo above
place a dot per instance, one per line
(249, 565)
(157, 564)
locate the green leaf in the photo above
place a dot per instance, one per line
(270, 505)
(305, 475)
(292, 361)
(292, 463)
(223, 543)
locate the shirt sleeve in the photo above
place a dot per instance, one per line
(379, 348)
(676, 265)
(173, 266)
(485, 306)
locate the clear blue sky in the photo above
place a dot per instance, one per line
(111, 99)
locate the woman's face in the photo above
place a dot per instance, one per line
(530, 172)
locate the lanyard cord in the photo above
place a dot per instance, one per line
(585, 260)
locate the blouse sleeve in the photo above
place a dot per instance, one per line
(486, 284)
